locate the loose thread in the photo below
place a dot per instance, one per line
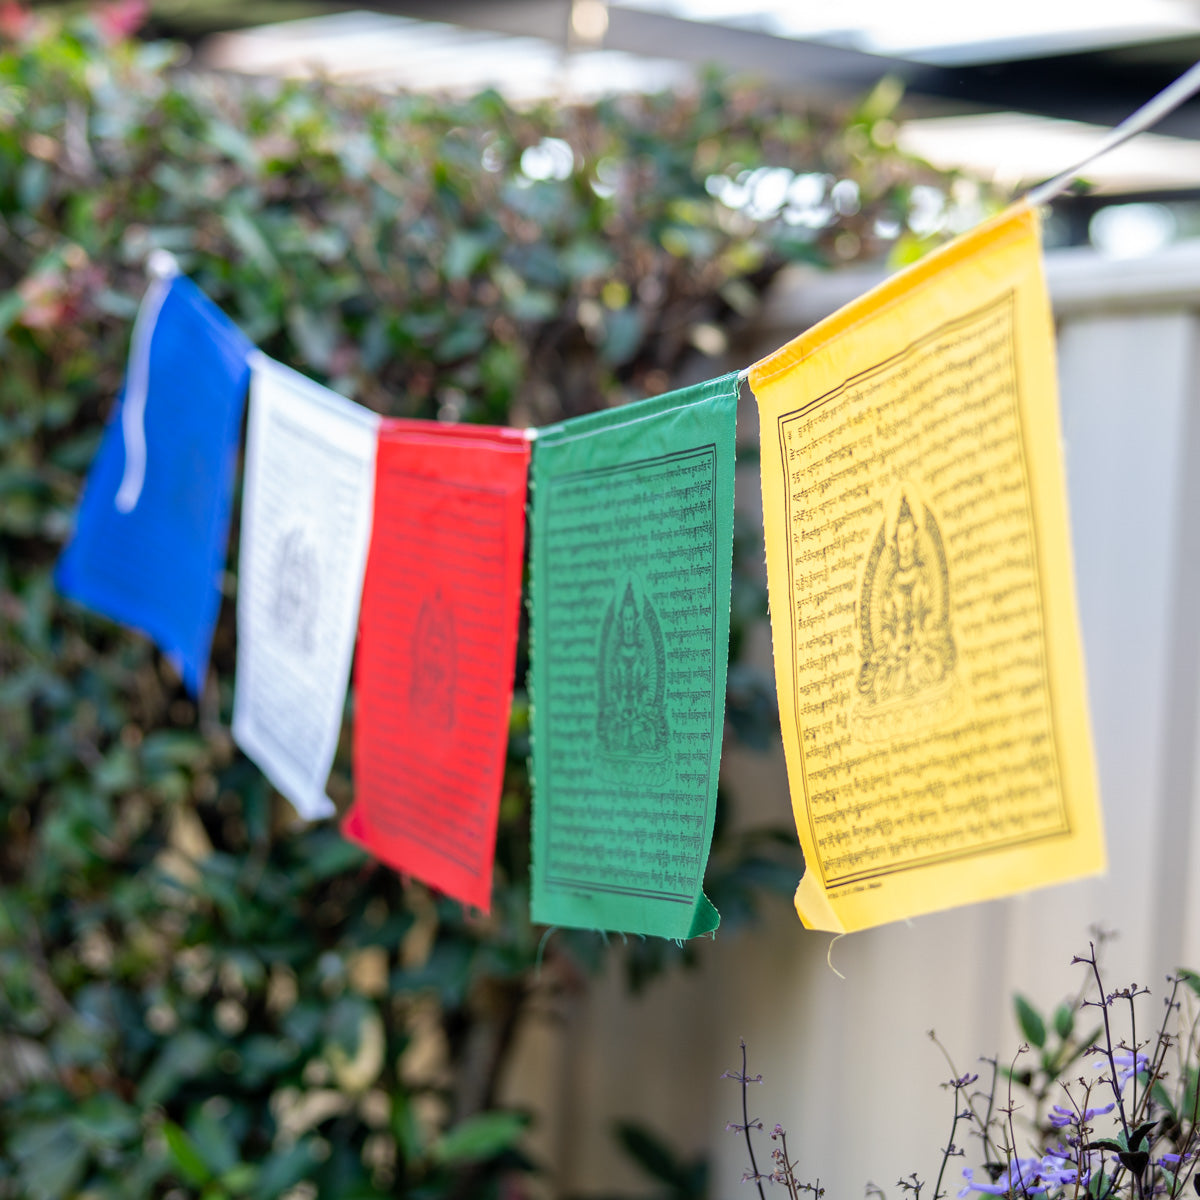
(837, 937)
(541, 951)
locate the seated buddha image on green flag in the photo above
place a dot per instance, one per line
(631, 720)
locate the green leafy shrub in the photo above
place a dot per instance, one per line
(200, 995)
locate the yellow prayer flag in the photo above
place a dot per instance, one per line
(927, 651)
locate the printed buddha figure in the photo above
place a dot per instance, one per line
(431, 689)
(907, 645)
(295, 602)
(631, 717)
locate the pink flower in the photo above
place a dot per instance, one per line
(120, 19)
(15, 20)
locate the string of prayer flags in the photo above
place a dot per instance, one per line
(927, 651)
(306, 522)
(153, 524)
(632, 553)
(437, 649)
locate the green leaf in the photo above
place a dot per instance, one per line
(344, 1022)
(328, 854)
(33, 183)
(1163, 1098)
(464, 252)
(213, 1142)
(1033, 1028)
(480, 1137)
(622, 335)
(1139, 1132)
(188, 1055)
(881, 101)
(405, 1127)
(448, 970)
(249, 238)
(1136, 1161)
(118, 771)
(1064, 1021)
(233, 143)
(315, 333)
(653, 1155)
(185, 1155)
(588, 258)
(534, 304)
(1191, 979)
(283, 1170)
(50, 1160)
(265, 1056)
(11, 306)
(467, 338)
(240, 1179)
(104, 1119)
(167, 748)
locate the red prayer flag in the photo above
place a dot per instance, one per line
(436, 651)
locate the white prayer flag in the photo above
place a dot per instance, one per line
(306, 522)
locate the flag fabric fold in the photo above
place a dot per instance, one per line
(632, 547)
(306, 522)
(437, 649)
(152, 529)
(927, 650)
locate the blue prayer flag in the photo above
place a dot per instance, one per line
(153, 525)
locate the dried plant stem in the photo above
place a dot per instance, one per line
(746, 1126)
(789, 1177)
(1133, 1046)
(1010, 1151)
(985, 1122)
(1102, 1004)
(949, 1150)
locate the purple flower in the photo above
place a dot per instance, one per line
(1057, 1171)
(1020, 1175)
(992, 1189)
(1130, 1061)
(1028, 1177)
(1130, 1064)
(1061, 1117)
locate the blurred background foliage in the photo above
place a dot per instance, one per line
(201, 996)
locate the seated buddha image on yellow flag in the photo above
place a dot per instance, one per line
(927, 649)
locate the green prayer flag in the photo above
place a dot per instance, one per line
(632, 553)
